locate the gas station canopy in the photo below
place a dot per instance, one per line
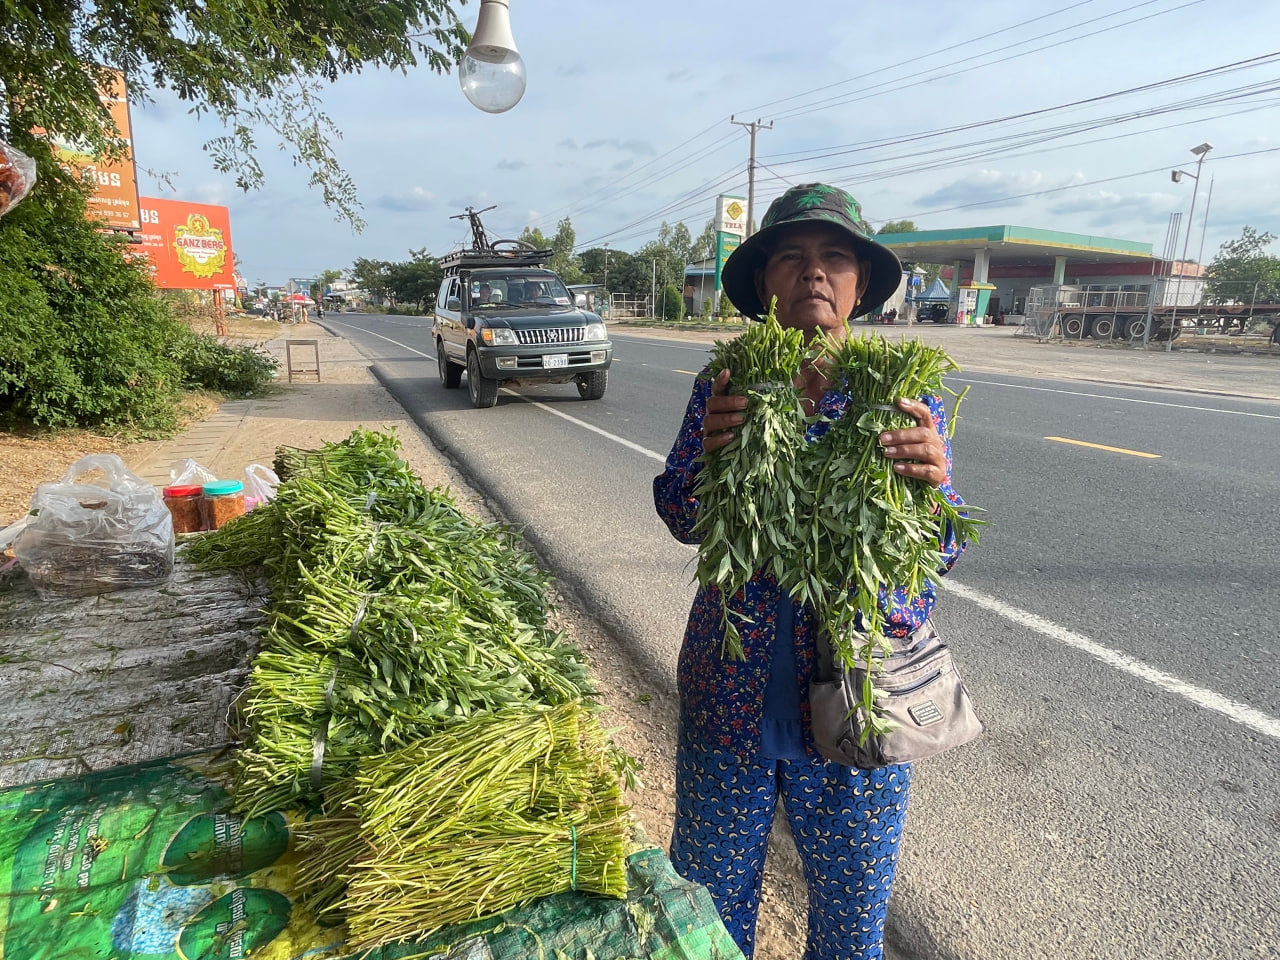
(996, 267)
(1011, 246)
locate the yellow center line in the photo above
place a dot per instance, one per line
(1100, 446)
(692, 373)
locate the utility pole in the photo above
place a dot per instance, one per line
(653, 290)
(751, 169)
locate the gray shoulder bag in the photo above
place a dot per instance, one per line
(926, 699)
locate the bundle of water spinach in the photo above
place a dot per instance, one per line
(867, 529)
(517, 805)
(747, 490)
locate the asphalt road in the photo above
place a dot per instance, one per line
(1116, 626)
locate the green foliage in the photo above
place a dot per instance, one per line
(706, 309)
(562, 261)
(416, 280)
(727, 308)
(1242, 272)
(83, 339)
(252, 66)
(704, 247)
(237, 371)
(898, 226)
(373, 277)
(672, 303)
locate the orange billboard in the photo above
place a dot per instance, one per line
(115, 182)
(188, 245)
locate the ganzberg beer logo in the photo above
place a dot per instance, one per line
(201, 249)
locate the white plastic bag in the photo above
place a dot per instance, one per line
(84, 538)
(183, 473)
(17, 176)
(259, 485)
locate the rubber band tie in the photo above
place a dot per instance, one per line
(573, 869)
(355, 623)
(373, 538)
(317, 755)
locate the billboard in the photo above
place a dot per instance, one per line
(188, 244)
(115, 197)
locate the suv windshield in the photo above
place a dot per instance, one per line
(498, 289)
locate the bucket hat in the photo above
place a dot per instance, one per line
(810, 203)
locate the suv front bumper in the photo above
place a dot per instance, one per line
(532, 362)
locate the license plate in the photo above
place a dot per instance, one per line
(552, 360)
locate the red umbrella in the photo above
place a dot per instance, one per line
(300, 298)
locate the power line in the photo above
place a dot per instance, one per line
(875, 91)
(923, 56)
(1232, 67)
(1073, 186)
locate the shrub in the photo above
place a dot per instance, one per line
(205, 362)
(672, 303)
(82, 336)
(727, 309)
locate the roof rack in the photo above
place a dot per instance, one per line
(481, 259)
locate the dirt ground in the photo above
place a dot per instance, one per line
(641, 717)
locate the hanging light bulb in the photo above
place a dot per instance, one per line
(492, 72)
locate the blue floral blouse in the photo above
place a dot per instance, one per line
(723, 701)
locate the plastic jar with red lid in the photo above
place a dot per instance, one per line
(184, 503)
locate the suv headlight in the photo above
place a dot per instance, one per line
(498, 336)
(595, 331)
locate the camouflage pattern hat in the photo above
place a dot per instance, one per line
(810, 203)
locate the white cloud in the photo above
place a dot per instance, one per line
(412, 201)
(984, 186)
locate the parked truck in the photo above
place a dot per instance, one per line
(1076, 311)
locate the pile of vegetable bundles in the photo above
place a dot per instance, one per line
(829, 519)
(402, 637)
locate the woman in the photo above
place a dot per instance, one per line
(744, 742)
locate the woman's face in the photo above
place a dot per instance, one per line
(816, 277)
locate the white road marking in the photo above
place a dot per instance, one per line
(1241, 713)
(1103, 396)
(661, 458)
(429, 356)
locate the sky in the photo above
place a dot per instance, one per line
(626, 124)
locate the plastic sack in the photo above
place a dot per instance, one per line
(259, 485)
(190, 473)
(85, 538)
(17, 176)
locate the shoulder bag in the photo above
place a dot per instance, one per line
(926, 699)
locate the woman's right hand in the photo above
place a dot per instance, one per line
(724, 412)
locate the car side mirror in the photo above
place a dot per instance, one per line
(580, 300)
(454, 304)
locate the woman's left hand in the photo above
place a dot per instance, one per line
(918, 451)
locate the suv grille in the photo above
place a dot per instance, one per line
(551, 335)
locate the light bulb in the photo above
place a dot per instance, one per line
(492, 71)
(493, 86)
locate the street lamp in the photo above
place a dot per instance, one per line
(491, 71)
(1176, 176)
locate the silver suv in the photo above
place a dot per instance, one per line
(503, 317)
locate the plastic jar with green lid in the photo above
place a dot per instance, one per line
(223, 500)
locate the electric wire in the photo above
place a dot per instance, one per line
(875, 91)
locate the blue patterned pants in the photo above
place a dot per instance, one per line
(847, 825)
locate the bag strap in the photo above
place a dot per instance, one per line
(825, 667)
